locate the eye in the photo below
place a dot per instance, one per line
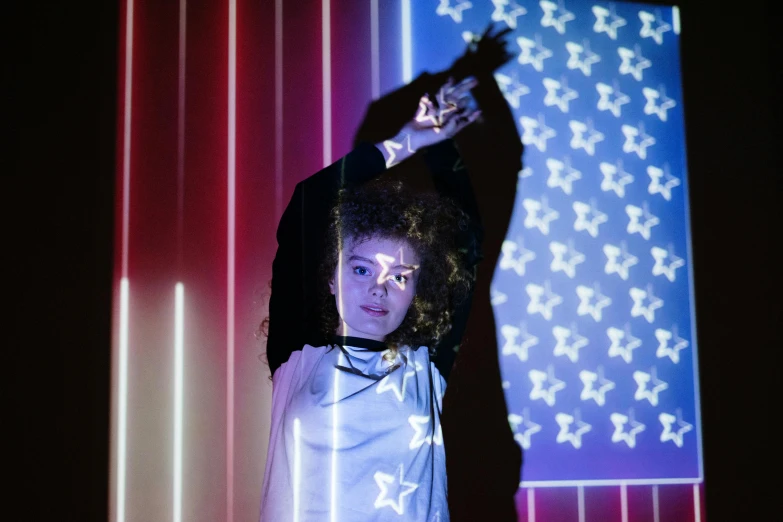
(360, 270)
(399, 278)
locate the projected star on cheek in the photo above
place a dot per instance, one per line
(635, 69)
(621, 268)
(584, 136)
(562, 174)
(647, 30)
(665, 188)
(528, 57)
(511, 346)
(530, 428)
(445, 8)
(421, 425)
(634, 225)
(660, 268)
(643, 380)
(636, 140)
(588, 217)
(553, 99)
(394, 486)
(535, 132)
(667, 420)
(600, 26)
(507, 11)
(511, 88)
(555, 15)
(542, 300)
(539, 380)
(565, 434)
(611, 99)
(589, 390)
(569, 342)
(591, 301)
(639, 309)
(664, 350)
(616, 348)
(539, 214)
(559, 263)
(615, 178)
(620, 435)
(659, 109)
(577, 61)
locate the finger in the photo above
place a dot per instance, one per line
(463, 88)
(502, 33)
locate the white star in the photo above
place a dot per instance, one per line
(529, 136)
(590, 225)
(535, 305)
(515, 256)
(565, 421)
(420, 424)
(651, 107)
(600, 21)
(586, 295)
(648, 312)
(620, 435)
(532, 219)
(664, 350)
(574, 62)
(659, 254)
(667, 419)
(616, 349)
(648, 32)
(500, 14)
(511, 88)
(537, 60)
(405, 488)
(562, 347)
(609, 182)
(589, 379)
(604, 104)
(552, 99)
(530, 428)
(558, 263)
(537, 377)
(526, 172)
(556, 167)
(626, 55)
(549, 20)
(497, 297)
(642, 393)
(579, 142)
(387, 383)
(656, 187)
(630, 144)
(613, 252)
(455, 12)
(634, 213)
(510, 347)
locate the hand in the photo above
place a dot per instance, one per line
(484, 56)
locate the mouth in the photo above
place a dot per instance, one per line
(374, 311)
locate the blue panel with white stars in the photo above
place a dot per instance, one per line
(592, 294)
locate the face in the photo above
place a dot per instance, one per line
(373, 286)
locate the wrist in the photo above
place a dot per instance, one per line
(397, 149)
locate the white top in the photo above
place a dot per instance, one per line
(354, 438)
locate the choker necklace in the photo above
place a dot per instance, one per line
(359, 342)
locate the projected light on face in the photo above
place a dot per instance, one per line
(374, 284)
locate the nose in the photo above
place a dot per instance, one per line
(379, 289)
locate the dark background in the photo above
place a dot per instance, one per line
(60, 62)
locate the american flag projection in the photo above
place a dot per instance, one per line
(592, 295)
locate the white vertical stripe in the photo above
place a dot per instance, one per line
(531, 505)
(232, 80)
(624, 502)
(696, 504)
(326, 64)
(580, 498)
(335, 442)
(122, 399)
(656, 509)
(278, 109)
(375, 58)
(179, 358)
(676, 19)
(407, 57)
(297, 467)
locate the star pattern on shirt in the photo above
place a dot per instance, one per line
(511, 88)
(559, 263)
(553, 385)
(526, 56)
(640, 309)
(555, 15)
(636, 226)
(643, 380)
(420, 425)
(613, 254)
(647, 30)
(620, 435)
(588, 217)
(514, 256)
(640, 63)
(568, 342)
(530, 428)
(539, 214)
(600, 26)
(631, 144)
(584, 136)
(613, 105)
(396, 482)
(565, 434)
(507, 11)
(553, 99)
(390, 384)
(511, 346)
(667, 420)
(656, 107)
(591, 301)
(665, 188)
(585, 63)
(561, 174)
(535, 132)
(664, 350)
(660, 255)
(454, 11)
(616, 348)
(542, 300)
(615, 178)
(589, 389)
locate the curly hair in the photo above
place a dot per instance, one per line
(430, 225)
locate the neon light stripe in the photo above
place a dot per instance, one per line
(531, 505)
(232, 78)
(326, 64)
(676, 19)
(179, 335)
(122, 400)
(630, 482)
(375, 66)
(624, 502)
(580, 498)
(407, 53)
(696, 503)
(656, 508)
